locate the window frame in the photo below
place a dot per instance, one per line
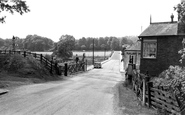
(147, 41)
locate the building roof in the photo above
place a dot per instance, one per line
(135, 47)
(160, 29)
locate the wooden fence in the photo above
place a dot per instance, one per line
(157, 97)
(51, 65)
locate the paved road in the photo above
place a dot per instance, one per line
(90, 93)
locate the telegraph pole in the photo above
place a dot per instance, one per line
(13, 43)
(93, 51)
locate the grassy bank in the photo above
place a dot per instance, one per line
(16, 70)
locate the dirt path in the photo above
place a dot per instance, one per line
(90, 93)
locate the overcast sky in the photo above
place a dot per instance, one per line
(87, 18)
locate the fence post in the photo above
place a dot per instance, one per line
(144, 90)
(149, 85)
(65, 69)
(86, 64)
(24, 53)
(76, 67)
(41, 58)
(132, 59)
(134, 66)
(35, 55)
(57, 68)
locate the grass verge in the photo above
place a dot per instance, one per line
(127, 102)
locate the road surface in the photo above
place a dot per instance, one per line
(89, 93)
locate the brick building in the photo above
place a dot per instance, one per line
(160, 43)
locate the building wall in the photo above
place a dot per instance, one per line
(167, 54)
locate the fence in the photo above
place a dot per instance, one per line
(157, 97)
(51, 65)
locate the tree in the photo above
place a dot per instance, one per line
(103, 46)
(115, 44)
(91, 46)
(37, 43)
(65, 47)
(1, 42)
(12, 6)
(83, 47)
(180, 8)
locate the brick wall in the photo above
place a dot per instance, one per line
(167, 54)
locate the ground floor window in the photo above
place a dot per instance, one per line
(149, 48)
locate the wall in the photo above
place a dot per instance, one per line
(167, 54)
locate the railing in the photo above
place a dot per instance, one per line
(53, 67)
(157, 97)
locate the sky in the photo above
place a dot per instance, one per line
(87, 18)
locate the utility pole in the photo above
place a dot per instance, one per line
(13, 43)
(93, 51)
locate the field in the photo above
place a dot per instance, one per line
(99, 56)
(80, 53)
(89, 53)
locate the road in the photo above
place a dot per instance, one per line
(89, 93)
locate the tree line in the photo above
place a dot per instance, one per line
(103, 43)
(31, 43)
(39, 43)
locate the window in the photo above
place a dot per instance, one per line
(149, 48)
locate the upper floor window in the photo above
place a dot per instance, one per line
(149, 48)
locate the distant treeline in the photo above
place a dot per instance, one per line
(39, 43)
(31, 42)
(103, 43)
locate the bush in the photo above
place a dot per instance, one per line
(172, 80)
(14, 62)
(4, 59)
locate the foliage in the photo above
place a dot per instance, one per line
(103, 46)
(12, 6)
(4, 59)
(110, 42)
(31, 42)
(172, 80)
(115, 44)
(37, 43)
(83, 47)
(182, 52)
(180, 8)
(14, 62)
(64, 47)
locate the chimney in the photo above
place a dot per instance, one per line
(172, 16)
